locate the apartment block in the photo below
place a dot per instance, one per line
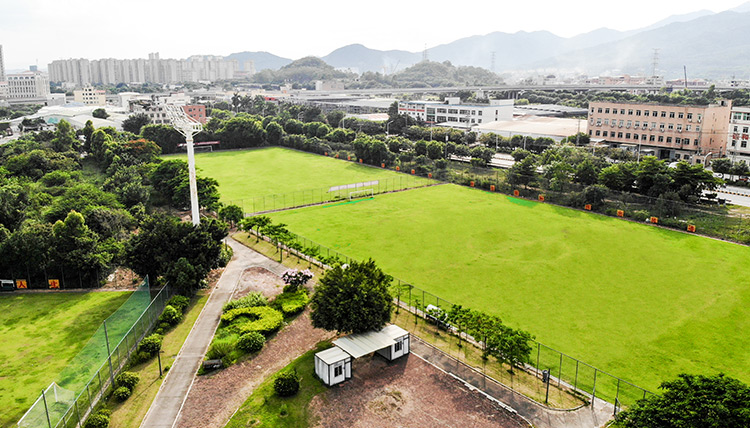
(738, 140)
(673, 132)
(2, 66)
(455, 114)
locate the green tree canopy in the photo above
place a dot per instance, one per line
(352, 299)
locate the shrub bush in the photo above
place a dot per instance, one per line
(179, 302)
(249, 301)
(225, 255)
(127, 379)
(220, 348)
(294, 278)
(170, 316)
(286, 384)
(122, 393)
(262, 319)
(291, 303)
(139, 357)
(251, 342)
(151, 345)
(97, 420)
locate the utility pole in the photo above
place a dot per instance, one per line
(655, 62)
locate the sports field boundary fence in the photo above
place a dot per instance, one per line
(322, 195)
(567, 371)
(105, 355)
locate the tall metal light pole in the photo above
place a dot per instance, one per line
(188, 127)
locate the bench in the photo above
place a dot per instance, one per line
(212, 364)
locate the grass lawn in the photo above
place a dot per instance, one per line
(131, 412)
(246, 174)
(640, 302)
(265, 409)
(40, 333)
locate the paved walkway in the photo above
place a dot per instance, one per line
(169, 400)
(540, 416)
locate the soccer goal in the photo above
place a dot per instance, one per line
(363, 193)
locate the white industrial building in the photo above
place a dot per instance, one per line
(454, 114)
(334, 365)
(29, 85)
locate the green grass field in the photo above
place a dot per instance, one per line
(243, 175)
(640, 302)
(40, 333)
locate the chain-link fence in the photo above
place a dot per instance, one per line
(86, 378)
(321, 195)
(567, 372)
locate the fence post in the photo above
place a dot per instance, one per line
(46, 410)
(593, 392)
(538, 351)
(575, 383)
(88, 392)
(101, 387)
(617, 396)
(559, 372)
(109, 354)
(78, 413)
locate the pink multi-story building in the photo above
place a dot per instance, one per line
(693, 133)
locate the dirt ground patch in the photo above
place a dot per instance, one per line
(258, 279)
(406, 393)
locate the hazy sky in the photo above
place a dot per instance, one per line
(39, 31)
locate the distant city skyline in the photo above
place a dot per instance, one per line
(36, 32)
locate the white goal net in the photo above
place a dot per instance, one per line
(363, 193)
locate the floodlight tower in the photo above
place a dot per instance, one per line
(188, 127)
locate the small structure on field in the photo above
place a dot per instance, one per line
(334, 365)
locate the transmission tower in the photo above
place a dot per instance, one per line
(188, 127)
(424, 53)
(655, 62)
(492, 62)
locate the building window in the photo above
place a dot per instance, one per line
(645, 112)
(670, 126)
(671, 115)
(679, 127)
(663, 114)
(637, 112)
(661, 138)
(669, 139)
(452, 111)
(622, 111)
(622, 122)
(604, 134)
(627, 135)
(690, 116)
(680, 115)
(677, 140)
(398, 346)
(734, 143)
(338, 371)
(695, 142)
(643, 137)
(630, 123)
(479, 113)
(651, 138)
(688, 127)
(661, 127)
(606, 110)
(743, 144)
(619, 135)
(637, 123)
(598, 111)
(697, 128)
(441, 110)
(598, 132)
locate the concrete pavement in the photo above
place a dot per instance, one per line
(166, 407)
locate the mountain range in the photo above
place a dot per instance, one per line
(710, 45)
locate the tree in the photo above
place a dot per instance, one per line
(352, 299)
(88, 131)
(435, 150)
(740, 168)
(65, 138)
(334, 118)
(721, 166)
(586, 172)
(652, 177)
(135, 122)
(612, 177)
(231, 213)
(692, 401)
(100, 113)
(274, 133)
(257, 222)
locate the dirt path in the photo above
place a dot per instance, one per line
(213, 399)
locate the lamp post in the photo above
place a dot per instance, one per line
(386, 127)
(188, 127)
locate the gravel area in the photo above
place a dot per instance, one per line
(407, 392)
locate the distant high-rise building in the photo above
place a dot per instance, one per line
(2, 66)
(110, 71)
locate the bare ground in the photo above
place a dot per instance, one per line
(258, 279)
(214, 398)
(406, 393)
